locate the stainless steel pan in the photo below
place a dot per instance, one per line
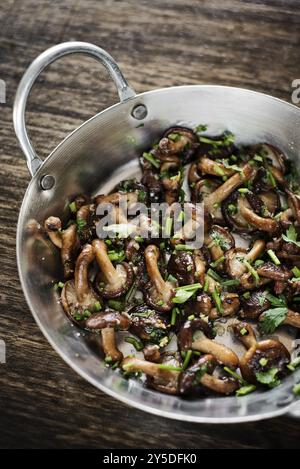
(96, 155)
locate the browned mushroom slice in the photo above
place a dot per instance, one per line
(108, 322)
(112, 281)
(201, 373)
(213, 168)
(100, 320)
(165, 380)
(274, 272)
(270, 200)
(152, 353)
(204, 343)
(264, 362)
(171, 178)
(218, 241)
(186, 267)
(254, 305)
(153, 186)
(235, 259)
(277, 157)
(77, 296)
(110, 349)
(202, 188)
(178, 141)
(294, 204)
(69, 249)
(148, 325)
(201, 305)
(86, 223)
(160, 292)
(222, 192)
(230, 306)
(292, 319)
(193, 174)
(261, 223)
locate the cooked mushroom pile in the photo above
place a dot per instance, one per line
(164, 298)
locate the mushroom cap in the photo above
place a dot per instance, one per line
(272, 350)
(233, 262)
(253, 306)
(124, 272)
(186, 332)
(72, 307)
(111, 318)
(184, 146)
(230, 305)
(181, 265)
(188, 378)
(147, 324)
(274, 272)
(232, 215)
(202, 188)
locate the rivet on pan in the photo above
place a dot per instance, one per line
(139, 112)
(47, 182)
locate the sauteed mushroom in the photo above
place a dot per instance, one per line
(166, 380)
(66, 240)
(204, 343)
(201, 373)
(179, 141)
(264, 362)
(78, 298)
(159, 294)
(108, 322)
(172, 295)
(148, 325)
(112, 281)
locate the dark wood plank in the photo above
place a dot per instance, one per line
(253, 44)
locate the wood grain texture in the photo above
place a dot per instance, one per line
(252, 44)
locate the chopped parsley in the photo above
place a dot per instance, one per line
(272, 318)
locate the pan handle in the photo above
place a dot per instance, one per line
(33, 72)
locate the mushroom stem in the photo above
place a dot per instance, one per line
(104, 262)
(223, 354)
(245, 333)
(110, 349)
(150, 368)
(256, 250)
(222, 192)
(264, 224)
(292, 319)
(218, 385)
(53, 228)
(70, 246)
(81, 272)
(152, 256)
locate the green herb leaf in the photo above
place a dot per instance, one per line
(268, 377)
(296, 389)
(155, 162)
(272, 318)
(291, 236)
(244, 390)
(138, 345)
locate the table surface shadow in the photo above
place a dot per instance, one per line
(251, 44)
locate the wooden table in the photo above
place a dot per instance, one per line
(252, 44)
